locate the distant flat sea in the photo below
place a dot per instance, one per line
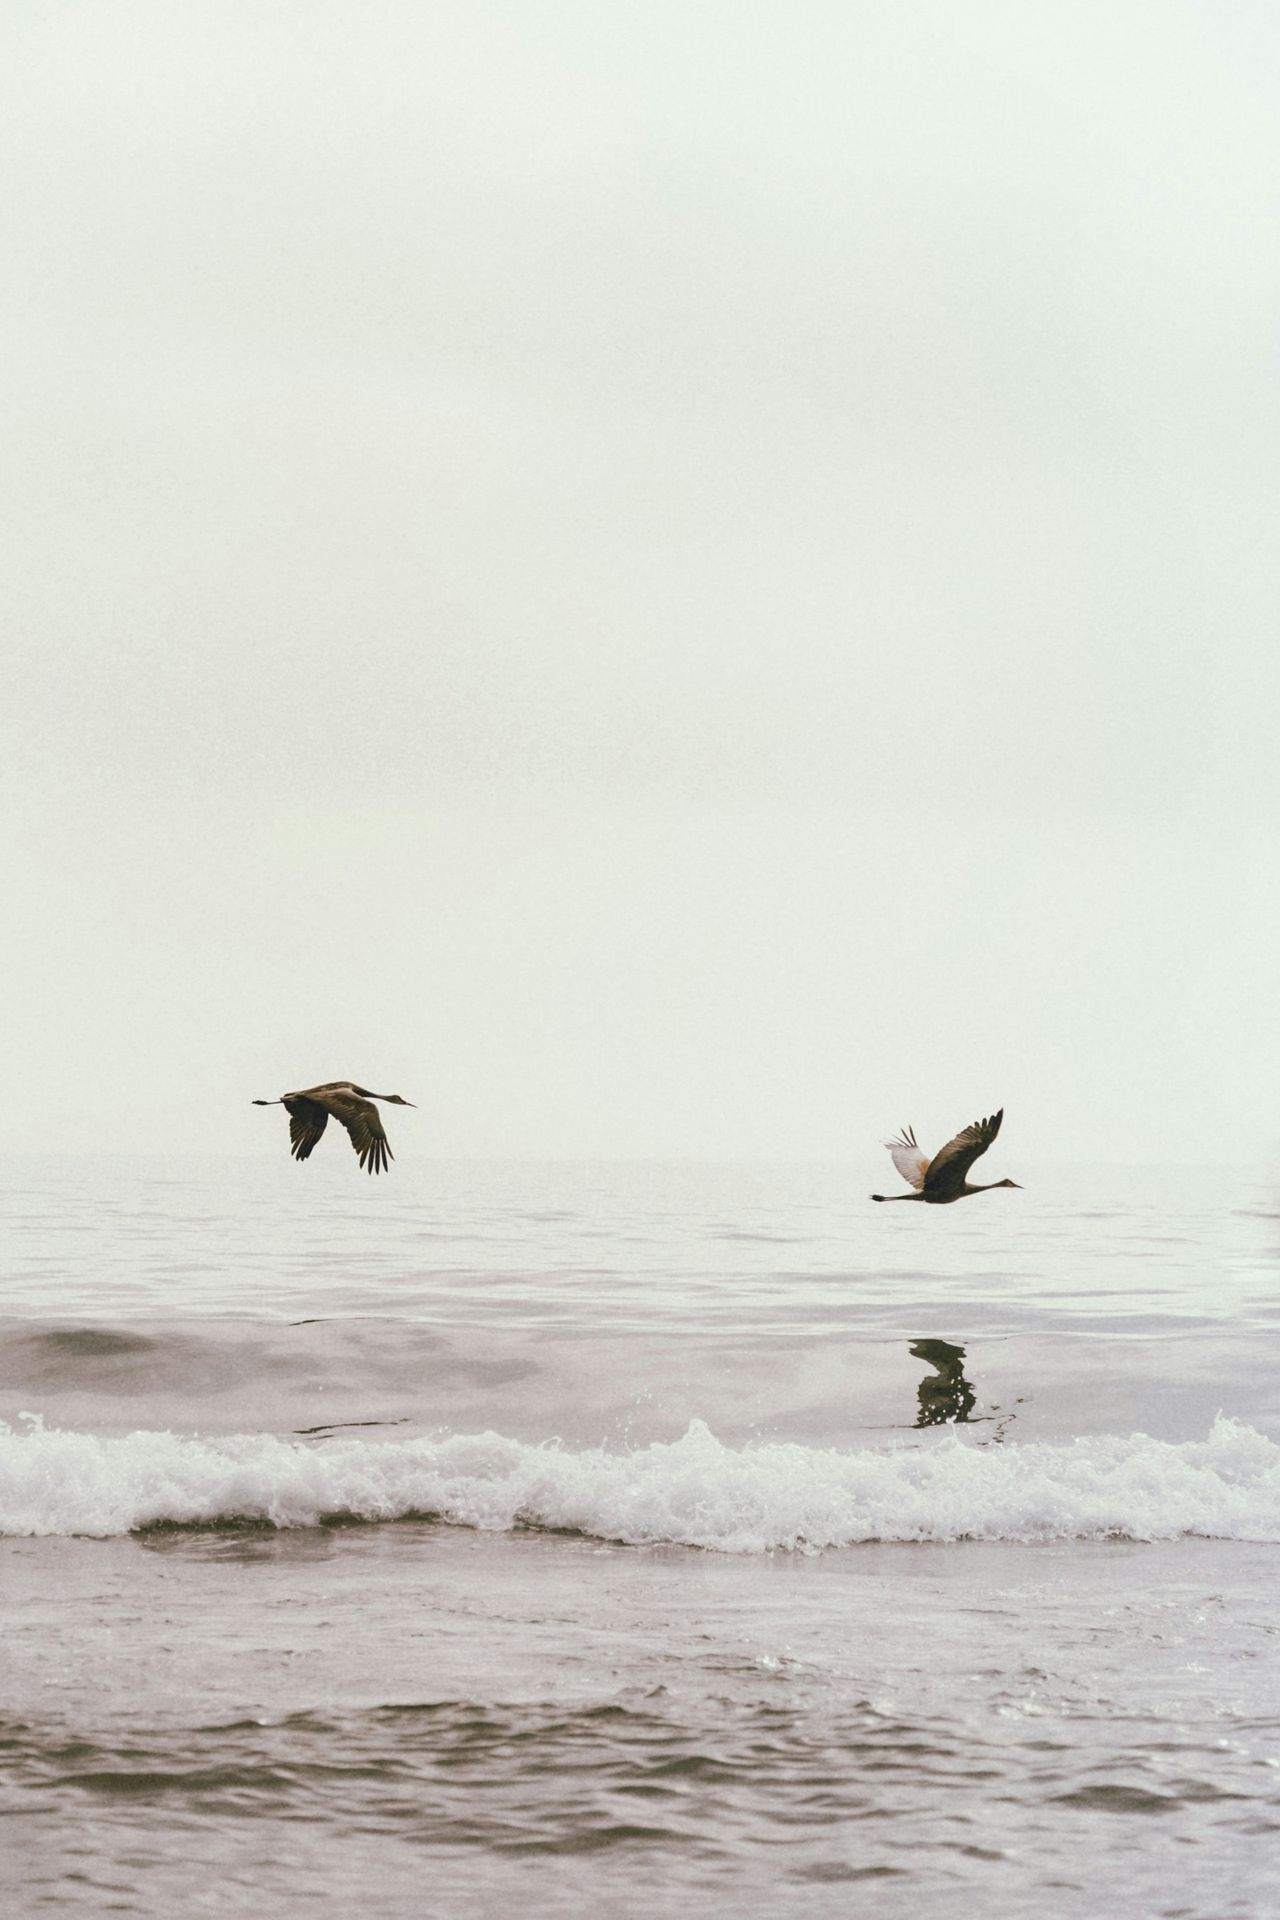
(637, 1539)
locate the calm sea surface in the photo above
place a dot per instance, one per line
(637, 1539)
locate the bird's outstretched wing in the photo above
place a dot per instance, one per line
(951, 1163)
(307, 1121)
(364, 1123)
(908, 1159)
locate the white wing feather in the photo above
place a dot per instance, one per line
(908, 1159)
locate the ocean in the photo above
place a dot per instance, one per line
(637, 1538)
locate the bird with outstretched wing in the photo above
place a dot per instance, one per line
(942, 1179)
(351, 1106)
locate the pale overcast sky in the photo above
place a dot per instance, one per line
(696, 577)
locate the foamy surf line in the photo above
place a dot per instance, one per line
(691, 1492)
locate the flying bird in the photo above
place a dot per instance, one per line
(942, 1179)
(352, 1106)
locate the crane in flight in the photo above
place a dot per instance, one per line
(352, 1106)
(942, 1179)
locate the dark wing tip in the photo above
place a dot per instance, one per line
(375, 1154)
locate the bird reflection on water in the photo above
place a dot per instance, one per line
(944, 1395)
(947, 1398)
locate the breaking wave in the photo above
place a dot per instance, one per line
(692, 1492)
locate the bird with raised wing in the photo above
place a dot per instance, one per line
(349, 1104)
(942, 1179)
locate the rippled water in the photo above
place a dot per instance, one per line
(637, 1535)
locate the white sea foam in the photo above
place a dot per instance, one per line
(693, 1491)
